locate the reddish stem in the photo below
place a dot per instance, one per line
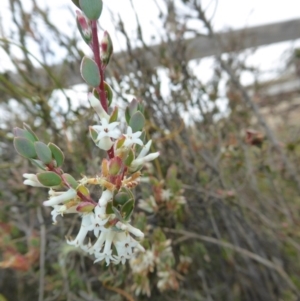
(96, 51)
(80, 195)
(86, 198)
(101, 67)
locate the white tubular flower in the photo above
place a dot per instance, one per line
(100, 241)
(106, 131)
(107, 251)
(143, 262)
(138, 162)
(62, 197)
(98, 221)
(166, 194)
(127, 227)
(149, 205)
(105, 143)
(84, 229)
(143, 157)
(61, 210)
(104, 199)
(145, 150)
(132, 138)
(96, 104)
(125, 246)
(31, 180)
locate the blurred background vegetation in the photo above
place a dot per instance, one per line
(220, 208)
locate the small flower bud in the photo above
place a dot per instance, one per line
(95, 103)
(85, 207)
(115, 165)
(63, 197)
(84, 27)
(106, 48)
(31, 180)
(131, 229)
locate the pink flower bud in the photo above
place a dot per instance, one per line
(85, 207)
(84, 27)
(106, 48)
(115, 164)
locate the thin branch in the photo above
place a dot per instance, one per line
(249, 102)
(189, 235)
(42, 253)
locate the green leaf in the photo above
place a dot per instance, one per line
(109, 209)
(130, 157)
(90, 72)
(70, 180)
(25, 147)
(93, 133)
(76, 2)
(23, 133)
(133, 106)
(114, 115)
(43, 152)
(49, 178)
(127, 209)
(83, 190)
(91, 8)
(127, 115)
(137, 121)
(109, 92)
(28, 128)
(121, 198)
(38, 164)
(117, 213)
(57, 154)
(140, 108)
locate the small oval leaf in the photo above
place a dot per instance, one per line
(49, 178)
(109, 209)
(38, 164)
(23, 133)
(70, 180)
(43, 152)
(130, 157)
(114, 115)
(91, 8)
(57, 154)
(127, 115)
(137, 121)
(83, 190)
(25, 147)
(76, 2)
(127, 209)
(93, 133)
(90, 72)
(133, 106)
(109, 92)
(121, 198)
(28, 128)
(117, 213)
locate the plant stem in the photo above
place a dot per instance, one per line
(79, 194)
(96, 51)
(101, 90)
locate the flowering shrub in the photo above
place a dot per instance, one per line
(107, 220)
(163, 199)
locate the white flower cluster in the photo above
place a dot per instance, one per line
(109, 221)
(98, 222)
(107, 135)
